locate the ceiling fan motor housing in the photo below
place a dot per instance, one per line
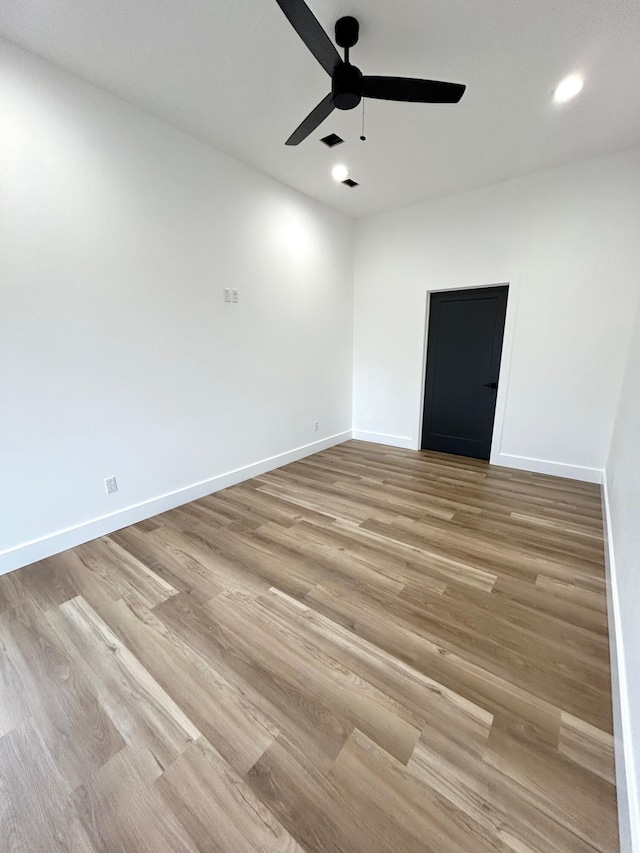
(346, 86)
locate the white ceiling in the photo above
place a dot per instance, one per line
(234, 72)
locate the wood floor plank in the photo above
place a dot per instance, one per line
(488, 644)
(41, 583)
(305, 666)
(307, 722)
(572, 592)
(223, 569)
(122, 812)
(588, 645)
(583, 804)
(369, 650)
(427, 701)
(421, 563)
(164, 556)
(141, 710)
(35, 802)
(471, 680)
(462, 777)
(218, 808)
(79, 735)
(533, 597)
(224, 715)
(14, 704)
(404, 808)
(587, 745)
(323, 557)
(306, 801)
(130, 573)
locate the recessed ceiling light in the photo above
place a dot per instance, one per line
(568, 88)
(340, 173)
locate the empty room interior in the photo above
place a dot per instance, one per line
(320, 426)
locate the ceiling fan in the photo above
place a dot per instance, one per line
(348, 84)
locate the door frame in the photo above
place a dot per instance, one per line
(512, 282)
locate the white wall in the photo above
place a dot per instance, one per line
(117, 353)
(567, 242)
(623, 511)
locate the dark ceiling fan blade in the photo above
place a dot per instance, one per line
(315, 118)
(305, 24)
(410, 89)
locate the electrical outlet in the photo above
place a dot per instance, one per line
(111, 485)
(234, 296)
(227, 294)
(316, 426)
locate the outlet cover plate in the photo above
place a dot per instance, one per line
(111, 485)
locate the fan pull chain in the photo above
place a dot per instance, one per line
(363, 137)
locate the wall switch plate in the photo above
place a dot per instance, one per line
(234, 296)
(227, 294)
(111, 485)
(316, 426)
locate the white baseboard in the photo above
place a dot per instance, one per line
(544, 466)
(626, 776)
(383, 438)
(46, 546)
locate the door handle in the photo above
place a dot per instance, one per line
(490, 385)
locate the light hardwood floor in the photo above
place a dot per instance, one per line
(368, 650)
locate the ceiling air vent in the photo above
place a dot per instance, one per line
(351, 183)
(331, 140)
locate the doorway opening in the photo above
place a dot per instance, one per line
(464, 349)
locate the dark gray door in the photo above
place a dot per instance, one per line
(464, 347)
